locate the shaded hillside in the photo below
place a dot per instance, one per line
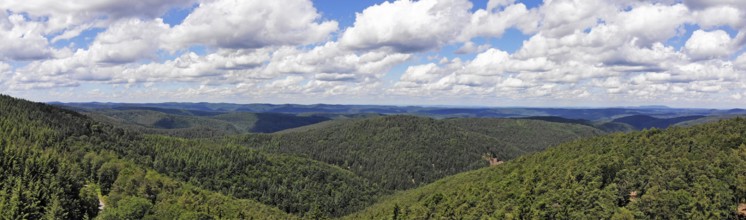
(708, 119)
(336, 119)
(316, 126)
(468, 112)
(603, 125)
(55, 161)
(611, 127)
(679, 173)
(267, 122)
(160, 120)
(529, 135)
(560, 120)
(640, 122)
(171, 111)
(155, 122)
(183, 123)
(400, 152)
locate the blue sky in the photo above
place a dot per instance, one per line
(427, 52)
(343, 13)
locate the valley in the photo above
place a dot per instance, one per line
(155, 162)
(374, 109)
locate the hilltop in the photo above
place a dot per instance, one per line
(678, 173)
(401, 152)
(186, 123)
(59, 163)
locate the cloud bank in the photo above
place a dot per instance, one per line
(590, 52)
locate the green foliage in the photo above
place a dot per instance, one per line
(89, 195)
(128, 208)
(679, 173)
(396, 152)
(267, 122)
(57, 164)
(401, 152)
(293, 184)
(528, 135)
(646, 122)
(181, 124)
(36, 182)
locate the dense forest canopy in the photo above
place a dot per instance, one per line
(401, 152)
(57, 164)
(372, 109)
(198, 124)
(61, 164)
(678, 173)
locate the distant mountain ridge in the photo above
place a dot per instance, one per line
(644, 121)
(51, 157)
(211, 119)
(332, 163)
(591, 114)
(190, 123)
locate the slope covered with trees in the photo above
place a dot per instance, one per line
(528, 135)
(198, 124)
(644, 121)
(267, 122)
(294, 184)
(52, 167)
(709, 119)
(401, 152)
(678, 173)
(59, 163)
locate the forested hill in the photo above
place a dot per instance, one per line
(59, 164)
(529, 135)
(195, 124)
(52, 167)
(206, 120)
(645, 122)
(401, 152)
(679, 173)
(589, 114)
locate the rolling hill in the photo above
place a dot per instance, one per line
(401, 152)
(709, 119)
(587, 114)
(184, 123)
(59, 164)
(640, 122)
(678, 173)
(53, 166)
(529, 135)
(268, 122)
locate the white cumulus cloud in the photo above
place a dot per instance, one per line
(252, 24)
(589, 51)
(408, 26)
(709, 45)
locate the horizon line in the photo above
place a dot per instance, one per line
(413, 105)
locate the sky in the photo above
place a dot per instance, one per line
(551, 53)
